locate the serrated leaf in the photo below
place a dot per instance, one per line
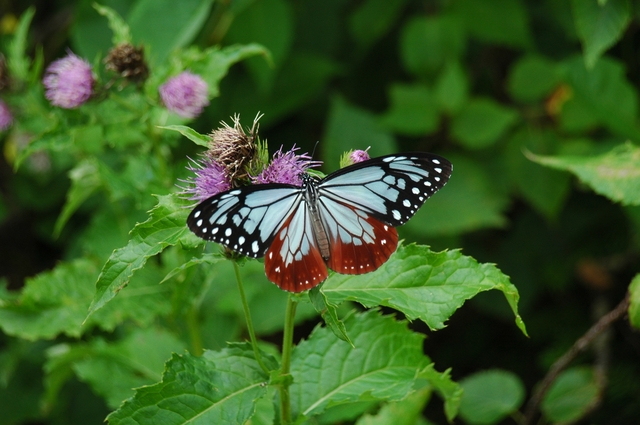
(634, 302)
(189, 133)
(383, 365)
(481, 122)
(615, 174)
(206, 258)
(449, 391)
(403, 412)
(424, 285)
(217, 388)
(329, 314)
(599, 25)
(490, 396)
(165, 227)
(121, 33)
(571, 395)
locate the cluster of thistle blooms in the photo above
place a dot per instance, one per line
(237, 158)
(69, 83)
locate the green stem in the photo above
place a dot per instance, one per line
(247, 316)
(287, 346)
(194, 331)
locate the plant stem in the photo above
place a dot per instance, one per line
(194, 331)
(247, 316)
(287, 346)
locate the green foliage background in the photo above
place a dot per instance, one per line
(534, 102)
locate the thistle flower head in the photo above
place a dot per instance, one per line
(6, 118)
(286, 167)
(68, 82)
(128, 61)
(359, 156)
(210, 178)
(186, 94)
(233, 148)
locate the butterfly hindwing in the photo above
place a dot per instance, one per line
(245, 219)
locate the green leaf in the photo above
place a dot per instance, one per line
(495, 21)
(403, 412)
(532, 78)
(614, 174)
(373, 19)
(216, 388)
(165, 25)
(85, 181)
(165, 227)
(121, 33)
(189, 133)
(481, 123)
(329, 314)
(350, 127)
(424, 285)
(449, 391)
(471, 200)
(490, 396)
(413, 110)
(600, 25)
(605, 93)
(383, 365)
(18, 59)
(634, 298)
(571, 395)
(452, 88)
(427, 44)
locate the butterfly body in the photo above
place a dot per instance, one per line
(345, 221)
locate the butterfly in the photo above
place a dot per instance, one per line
(345, 221)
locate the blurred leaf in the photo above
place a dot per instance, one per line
(490, 396)
(634, 306)
(256, 23)
(189, 133)
(121, 33)
(372, 19)
(600, 24)
(606, 93)
(615, 174)
(452, 88)
(495, 21)
(383, 365)
(403, 412)
(532, 78)
(449, 391)
(413, 110)
(165, 227)
(218, 387)
(571, 395)
(471, 200)
(90, 32)
(18, 60)
(349, 127)
(165, 26)
(481, 122)
(428, 43)
(114, 370)
(545, 189)
(424, 285)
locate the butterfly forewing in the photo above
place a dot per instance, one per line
(391, 188)
(246, 219)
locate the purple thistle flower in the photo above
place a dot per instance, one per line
(359, 156)
(5, 116)
(186, 94)
(68, 82)
(210, 179)
(286, 168)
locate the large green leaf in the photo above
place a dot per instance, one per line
(490, 396)
(413, 110)
(614, 174)
(481, 122)
(424, 285)
(165, 227)
(634, 306)
(571, 395)
(220, 387)
(600, 24)
(372, 19)
(532, 78)
(383, 364)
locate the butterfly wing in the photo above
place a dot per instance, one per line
(361, 204)
(245, 219)
(293, 262)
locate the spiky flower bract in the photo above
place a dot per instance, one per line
(286, 167)
(210, 178)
